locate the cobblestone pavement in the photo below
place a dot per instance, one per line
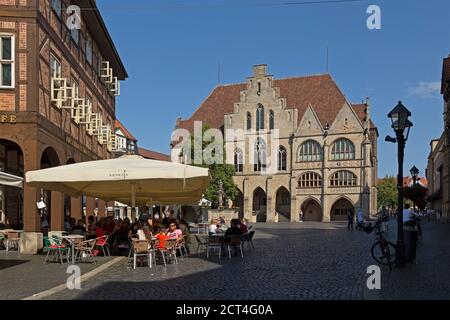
(22, 276)
(429, 278)
(290, 261)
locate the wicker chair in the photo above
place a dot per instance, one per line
(141, 249)
(12, 239)
(170, 250)
(86, 249)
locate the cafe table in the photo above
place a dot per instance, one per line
(71, 239)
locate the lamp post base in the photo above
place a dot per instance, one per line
(400, 254)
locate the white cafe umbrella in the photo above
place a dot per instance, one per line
(128, 179)
(10, 180)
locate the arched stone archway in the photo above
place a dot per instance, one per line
(312, 211)
(340, 209)
(260, 205)
(11, 199)
(283, 205)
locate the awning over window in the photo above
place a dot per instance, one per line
(10, 180)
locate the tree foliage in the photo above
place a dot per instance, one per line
(417, 194)
(387, 192)
(218, 171)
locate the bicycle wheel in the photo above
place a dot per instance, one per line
(383, 253)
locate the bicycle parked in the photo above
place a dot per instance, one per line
(382, 251)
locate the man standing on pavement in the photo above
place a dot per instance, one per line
(351, 218)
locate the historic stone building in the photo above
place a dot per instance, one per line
(324, 160)
(57, 104)
(438, 169)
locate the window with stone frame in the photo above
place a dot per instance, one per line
(282, 159)
(310, 151)
(260, 156)
(260, 118)
(343, 178)
(7, 61)
(238, 160)
(343, 149)
(310, 180)
(271, 120)
(249, 121)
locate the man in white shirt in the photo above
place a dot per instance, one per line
(407, 214)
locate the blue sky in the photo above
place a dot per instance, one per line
(171, 50)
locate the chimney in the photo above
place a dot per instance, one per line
(259, 70)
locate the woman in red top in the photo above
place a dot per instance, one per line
(162, 237)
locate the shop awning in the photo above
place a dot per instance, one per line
(10, 180)
(128, 179)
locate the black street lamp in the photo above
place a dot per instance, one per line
(415, 176)
(400, 122)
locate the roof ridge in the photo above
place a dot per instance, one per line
(277, 79)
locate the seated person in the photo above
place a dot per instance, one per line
(173, 232)
(213, 227)
(79, 228)
(99, 232)
(234, 230)
(161, 237)
(242, 226)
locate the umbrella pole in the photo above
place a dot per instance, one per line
(133, 196)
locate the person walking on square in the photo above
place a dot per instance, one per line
(301, 216)
(351, 218)
(360, 219)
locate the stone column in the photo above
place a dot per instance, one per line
(271, 202)
(295, 217)
(247, 202)
(57, 211)
(101, 208)
(75, 208)
(326, 215)
(90, 206)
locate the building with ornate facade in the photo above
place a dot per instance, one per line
(438, 171)
(303, 147)
(58, 88)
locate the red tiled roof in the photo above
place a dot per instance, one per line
(127, 134)
(445, 74)
(408, 181)
(150, 154)
(320, 91)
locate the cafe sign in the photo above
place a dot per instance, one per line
(8, 118)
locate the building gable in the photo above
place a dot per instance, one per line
(346, 121)
(310, 124)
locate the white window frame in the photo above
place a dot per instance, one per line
(11, 62)
(59, 72)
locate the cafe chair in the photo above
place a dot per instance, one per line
(141, 249)
(234, 242)
(53, 249)
(169, 250)
(12, 240)
(202, 242)
(214, 243)
(102, 243)
(86, 249)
